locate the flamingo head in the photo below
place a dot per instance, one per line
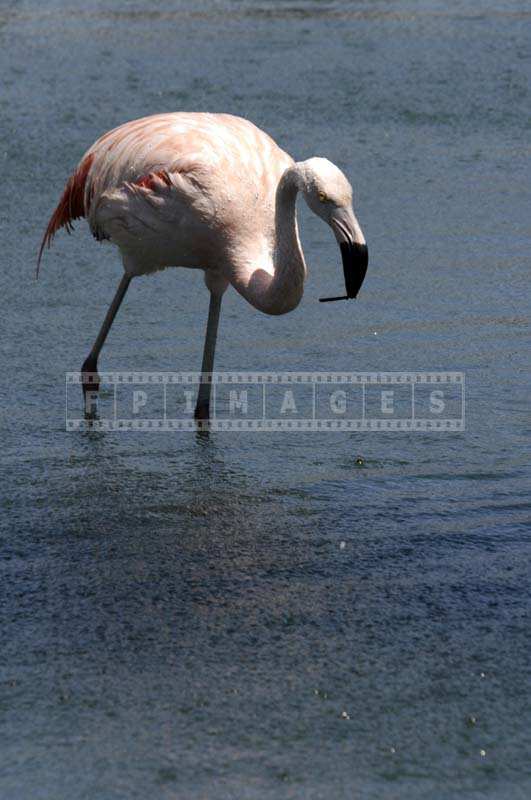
(328, 193)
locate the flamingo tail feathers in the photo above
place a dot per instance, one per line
(71, 206)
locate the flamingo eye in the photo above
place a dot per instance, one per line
(322, 197)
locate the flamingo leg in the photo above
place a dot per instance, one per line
(89, 370)
(202, 409)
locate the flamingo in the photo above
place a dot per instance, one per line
(207, 191)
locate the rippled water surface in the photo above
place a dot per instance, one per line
(261, 616)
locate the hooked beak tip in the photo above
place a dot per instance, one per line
(355, 262)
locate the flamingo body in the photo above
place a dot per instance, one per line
(182, 189)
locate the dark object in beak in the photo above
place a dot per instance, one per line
(355, 263)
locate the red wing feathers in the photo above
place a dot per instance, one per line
(71, 205)
(149, 181)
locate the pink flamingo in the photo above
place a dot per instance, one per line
(208, 191)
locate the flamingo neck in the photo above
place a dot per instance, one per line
(272, 278)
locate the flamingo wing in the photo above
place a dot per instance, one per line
(227, 161)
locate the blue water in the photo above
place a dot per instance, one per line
(249, 615)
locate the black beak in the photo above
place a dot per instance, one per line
(355, 262)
